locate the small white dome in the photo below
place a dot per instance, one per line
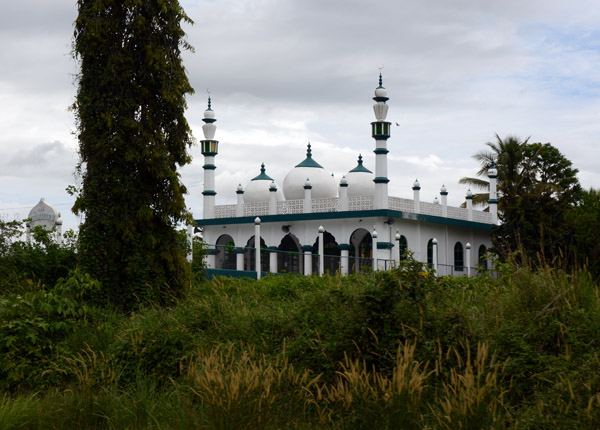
(436, 201)
(380, 92)
(258, 190)
(344, 180)
(416, 184)
(469, 193)
(360, 180)
(307, 183)
(492, 171)
(209, 113)
(323, 184)
(273, 186)
(240, 188)
(443, 189)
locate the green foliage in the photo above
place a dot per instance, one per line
(584, 221)
(34, 322)
(133, 136)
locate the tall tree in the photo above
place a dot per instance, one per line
(133, 135)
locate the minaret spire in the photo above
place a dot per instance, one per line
(210, 148)
(381, 133)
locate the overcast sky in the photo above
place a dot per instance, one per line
(283, 72)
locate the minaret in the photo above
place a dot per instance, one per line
(381, 133)
(210, 148)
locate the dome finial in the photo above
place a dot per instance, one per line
(209, 100)
(360, 159)
(308, 150)
(262, 168)
(380, 78)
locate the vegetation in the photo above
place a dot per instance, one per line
(133, 135)
(398, 349)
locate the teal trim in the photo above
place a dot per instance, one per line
(378, 151)
(385, 245)
(240, 250)
(443, 193)
(239, 192)
(228, 273)
(374, 213)
(308, 161)
(469, 197)
(381, 180)
(209, 120)
(344, 185)
(416, 188)
(209, 193)
(308, 187)
(209, 154)
(359, 167)
(263, 175)
(381, 99)
(209, 167)
(272, 248)
(493, 201)
(212, 251)
(344, 247)
(492, 176)
(306, 248)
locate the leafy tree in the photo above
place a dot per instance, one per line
(133, 135)
(584, 221)
(534, 202)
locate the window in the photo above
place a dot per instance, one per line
(459, 257)
(430, 253)
(481, 258)
(403, 248)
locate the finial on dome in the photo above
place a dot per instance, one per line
(262, 168)
(344, 181)
(436, 201)
(443, 190)
(273, 186)
(308, 150)
(359, 158)
(469, 194)
(380, 80)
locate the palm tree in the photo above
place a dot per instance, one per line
(513, 169)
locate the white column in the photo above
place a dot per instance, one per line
(59, 231)
(468, 246)
(239, 208)
(444, 195)
(307, 197)
(272, 260)
(273, 199)
(343, 194)
(190, 242)
(399, 253)
(374, 246)
(209, 187)
(257, 247)
(239, 260)
(321, 251)
(435, 254)
(469, 198)
(493, 201)
(28, 233)
(344, 259)
(307, 259)
(417, 196)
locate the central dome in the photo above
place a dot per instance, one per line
(258, 190)
(323, 184)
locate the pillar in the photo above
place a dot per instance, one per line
(374, 246)
(321, 251)
(239, 208)
(307, 250)
(190, 243)
(307, 208)
(399, 253)
(469, 199)
(344, 260)
(417, 196)
(209, 148)
(239, 258)
(273, 259)
(435, 254)
(257, 265)
(273, 198)
(444, 196)
(343, 194)
(468, 247)
(380, 130)
(493, 200)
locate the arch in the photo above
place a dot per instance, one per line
(290, 260)
(403, 248)
(430, 253)
(331, 254)
(225, 257)
(459, 257)
(361, 250)
(482, 258)
(249, 256)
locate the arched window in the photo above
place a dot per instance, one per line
(430, 253)
(481, 258)
(459, 257)
(403, 245)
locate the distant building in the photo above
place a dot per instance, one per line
(46, 216)
(317, 224)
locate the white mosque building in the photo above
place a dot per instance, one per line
(313, 224)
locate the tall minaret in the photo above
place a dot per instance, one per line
(381, 133)
(210, 148)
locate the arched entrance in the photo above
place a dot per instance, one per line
(250, 259)
(361, 250)
(225, 257)
(331, 254)
(290, 258)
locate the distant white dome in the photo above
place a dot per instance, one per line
(258, 189)
(360, 180)
(43, 214)
(323, 184)
(380, 92)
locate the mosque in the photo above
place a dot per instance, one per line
(315, 224)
